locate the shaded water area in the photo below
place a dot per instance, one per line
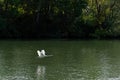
(71, 60)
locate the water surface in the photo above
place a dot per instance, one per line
(71, 60)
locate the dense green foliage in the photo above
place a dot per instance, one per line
(59, 18)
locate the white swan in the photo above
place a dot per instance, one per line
(41, 54)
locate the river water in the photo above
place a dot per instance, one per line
(71, 60)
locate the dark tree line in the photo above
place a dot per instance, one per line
(59, 18)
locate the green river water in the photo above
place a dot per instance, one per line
(71, 60)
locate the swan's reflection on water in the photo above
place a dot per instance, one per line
(41, 72)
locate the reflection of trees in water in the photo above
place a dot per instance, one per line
(41, 72)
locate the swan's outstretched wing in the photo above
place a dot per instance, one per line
(43, 52)
(39, 53)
